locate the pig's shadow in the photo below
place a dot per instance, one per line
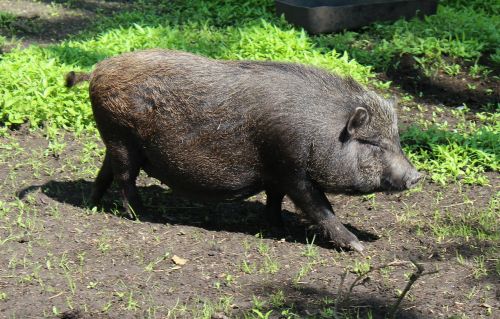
(163, 207)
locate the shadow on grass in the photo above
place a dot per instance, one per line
(301, 301)
(448, 90)
(50, 23)
(163, 207)
(366, 301)
(45, 22)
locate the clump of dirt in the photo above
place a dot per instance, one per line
(475, 92)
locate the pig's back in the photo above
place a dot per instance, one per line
(182, 109)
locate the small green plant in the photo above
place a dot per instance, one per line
(311, 251)
(479, 269)
(262, 315)
(150, 266)
(270, 265)
(452, 70)
(263, 248)
(361, 267)
(103, 244)
(6, 20)
(277, 299)
(258, 303)
(132, 304)
(248, 267)
(304, 270)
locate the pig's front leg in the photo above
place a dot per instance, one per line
(273, 207)
(312, 201)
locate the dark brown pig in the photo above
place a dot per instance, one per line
(229, 129)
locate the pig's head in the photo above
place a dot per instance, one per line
(367, 155)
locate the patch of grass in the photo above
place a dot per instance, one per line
(31, 87)
(472, 224)
(454, 155)
(458, 32)
(202, 309)
(6, 19)
(490, 7)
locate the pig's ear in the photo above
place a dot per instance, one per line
(358, 119)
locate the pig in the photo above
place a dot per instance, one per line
(226, 130)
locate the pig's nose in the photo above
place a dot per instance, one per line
(413, 180)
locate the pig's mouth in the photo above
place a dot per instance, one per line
(405, 183)
(391, 187)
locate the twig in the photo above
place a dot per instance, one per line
(396, 263)
(413, 278)
(456, 204)
(339, 293)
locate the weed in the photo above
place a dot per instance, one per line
(150, 266)
(262, 315)
(132, 304)
(103, 244)
(479, 267)
(6, 20)
(311, 251)
(277, 299)
(270, 265)
(248, 267)
(361, 267)
(304, 270)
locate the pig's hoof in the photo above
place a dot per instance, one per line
(356, 245)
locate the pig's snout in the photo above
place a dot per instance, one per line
(401, 175)
(412, 179)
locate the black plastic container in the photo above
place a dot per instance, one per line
(324, 16)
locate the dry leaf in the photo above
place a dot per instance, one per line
(179, 261)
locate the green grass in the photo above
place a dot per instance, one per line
(475, 224)
(456, 32)
(489, 7)
(454, 156)
(6, 19)
(31, 81)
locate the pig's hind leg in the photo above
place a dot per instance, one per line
(314, 203)
(125, 159)
(102, 182)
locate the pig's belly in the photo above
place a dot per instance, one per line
(203, 177)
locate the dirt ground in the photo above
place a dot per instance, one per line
(45, 22)
(59, 256)
(61, 259)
